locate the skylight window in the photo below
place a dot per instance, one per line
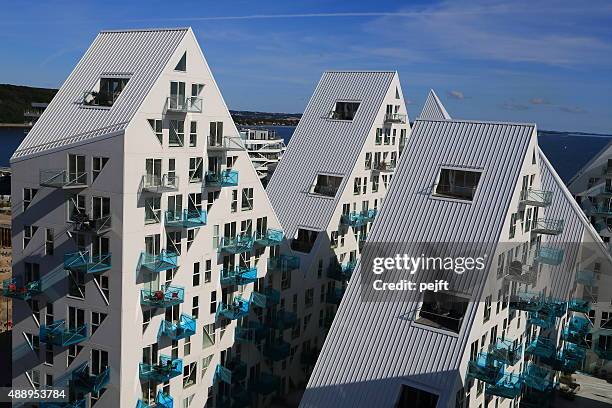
(326, 185)
(304, 240)
(413, 397)
(344, 110)
(106, 92)
(457, 184)
(182, 64)
(442, 310)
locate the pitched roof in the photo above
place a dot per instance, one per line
(322, 145)
(140, 55)
(605, 152)
(374, 346)
(433, 108)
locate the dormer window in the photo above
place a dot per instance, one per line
(182, 64)
(326, 185)
(106, 91)
(344, 110)
(457, 184)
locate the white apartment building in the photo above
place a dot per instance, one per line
(140, 233)
(499, 336)
(326, 191)
(265, 149)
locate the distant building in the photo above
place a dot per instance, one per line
(265, 149)
(32, 113)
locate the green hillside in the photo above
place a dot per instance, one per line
(15, 99)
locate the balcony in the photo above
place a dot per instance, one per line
(541, 347)
(61, 178)
(509, 386)
(341, 272)
(554, 307)
(165, 183)
(542, 319)
(575, 337)
(538, 378)
(559, 362)
(162, 400)
(395, 118)
(586, 278)
(182, 104)
(282, 320)
(265, 384)
(384, 166)
(252, 332)
(548, 226)
(56, 333)
(224, 178)
(223, 143)
(176, 330)
(13, 288)
(601, 209)
(525, 274)
(536, 198)
(235, 310)
(277, 350)
(603, 353)
(269, 238)
(238, 276)
(83, 261)
(549, 256)
(186, 219)
(236, 245)
(159, 262)
(166, 369)
(85, 382)
(167, 296)
(579, 306)
(334, 296)
(272, 296)
(574, 352)
(355, 219)
(506, 351)
(283, 263)
(81, 222)
(485, 368)
(579, 324)
(526, 301)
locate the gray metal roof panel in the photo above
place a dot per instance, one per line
(321, 145)
(370, 343)
(433, 108)
(140, 54)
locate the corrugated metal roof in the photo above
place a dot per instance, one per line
(433, 108)
(372, 347)
(321, 145)
(139, 54)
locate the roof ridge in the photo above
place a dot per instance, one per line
(483, 122)
(139, 30)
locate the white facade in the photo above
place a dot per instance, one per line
(185, 181)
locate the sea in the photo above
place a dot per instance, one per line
(568, 152)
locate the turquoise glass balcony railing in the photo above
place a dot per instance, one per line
(341, 272)
(603, 353)
(334, 296)
(163, 371)
(224, 178)
(355, 219)
(575, 337)
(167, 296)
(13, 288)
(162, 400)
(252, 332)
(184, 327)
(538, 378)
(159, 262)
(541, 347)
(236, 245)
(282, 320)
(269, 237)
(265, 384)
(579, 305)
(579, 324)
(549, 256)
(283, 263)
(525, 274)
(84, 382)
(506, 351)
(83, 261)
(57, 333)
(554, 307)
(526, 301)
(538, 198)
(573, 352)
(586, 278)
(542, 318)
(160, 184)
(548, 226)
(62, 178)
(559, 362)
(601, 209)
(186, 219)
(486, 369)
(222, 374)
(235, 310)
(277, 350)
(509, 386)
(238, 276)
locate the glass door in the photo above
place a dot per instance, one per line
(153, 172)
(76, 169)
(177, 95)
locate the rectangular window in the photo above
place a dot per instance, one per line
(73, 352)
(326, 185)
(513, 219)
(193, 134)
(215, 138)
(98, 164)
(195, 307)
(457, 184)
(34, 342)
(208, 271)
(177, 133)
(96, 320)
(413, 397)
(28, 196)
(28, 233)
(357, 186)
(152, 210)
(102, 281)
(187, 346)
(173, 241)
(76, 284)
(247, 199)
(49, 241)
(195, 170)
(378, 140)
(442, 310)
(213, 302)
(156, 126)
(234, 205)
(309, 298)
(375, 182)
(106, 92)
(189, 374)
(368, 161)
(344, 110)
(285, 279)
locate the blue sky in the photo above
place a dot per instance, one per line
(548, 62)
